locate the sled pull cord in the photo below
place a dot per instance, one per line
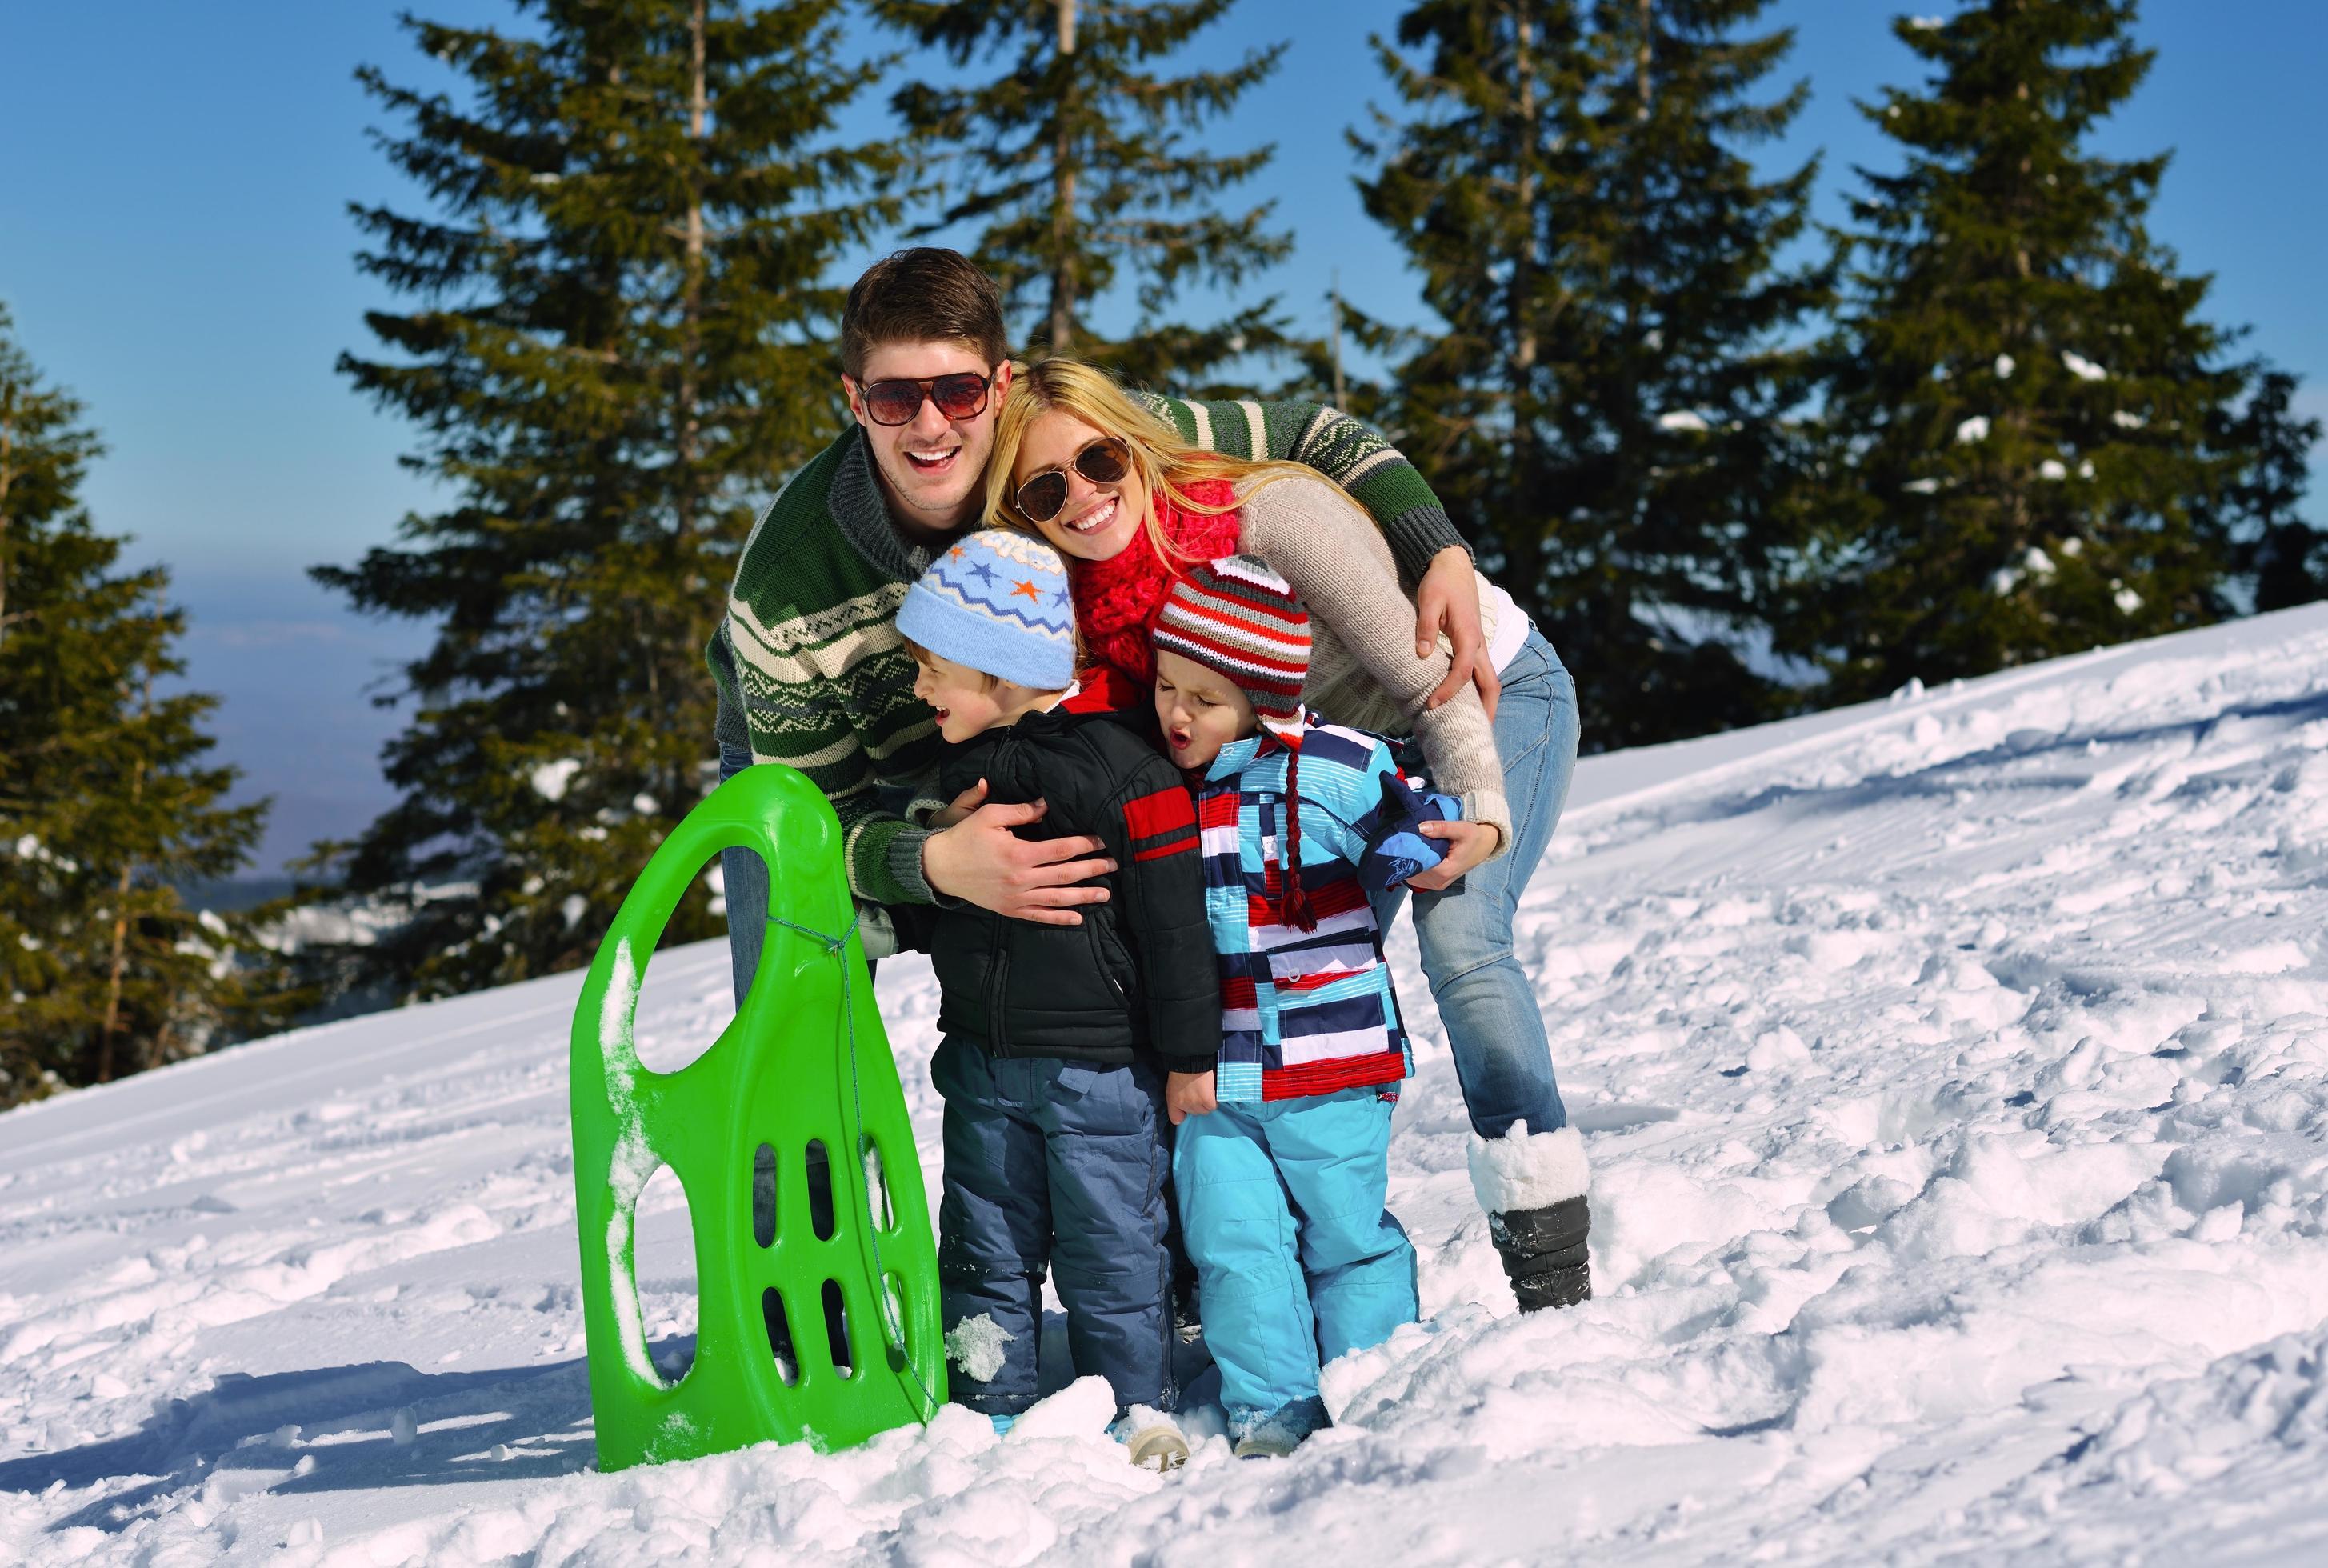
(893, 1332)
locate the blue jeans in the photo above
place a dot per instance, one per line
(1055, 1167)
(1297, 1258)
(1485, 998)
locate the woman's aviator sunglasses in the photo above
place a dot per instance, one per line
(960, 396)
(1104, 462)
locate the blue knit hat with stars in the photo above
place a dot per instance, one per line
(996, 601)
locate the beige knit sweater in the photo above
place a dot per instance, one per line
(1363, 671)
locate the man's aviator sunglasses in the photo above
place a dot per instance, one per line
(960, 396)
(1104, 461)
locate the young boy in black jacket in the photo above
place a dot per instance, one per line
(1058, 1038)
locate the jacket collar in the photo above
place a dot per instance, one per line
(1240, 755)
(855, 501)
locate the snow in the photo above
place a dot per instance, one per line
(550, 779)
(2053, 468)
(975, 1346)
(1953, 1073)
(1682, 420)
(1973, 429)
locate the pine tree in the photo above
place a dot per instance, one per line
(1083, 163)
(619, 342)
(2282, 558)
(2024, 390)
(105, 804)
(1611, 403)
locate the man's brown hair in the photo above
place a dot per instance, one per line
(926, 293)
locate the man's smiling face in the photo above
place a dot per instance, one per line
(930, 466)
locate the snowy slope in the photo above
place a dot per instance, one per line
(1955, 1071)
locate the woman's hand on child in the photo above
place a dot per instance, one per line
(1446, 600)
(1468, 844)
(1187, 1094)
(969, 801)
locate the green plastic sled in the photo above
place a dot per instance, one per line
(805, 1061)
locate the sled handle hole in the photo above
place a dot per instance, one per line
(876, 1185)
(780, 1336)
(893, 1301)
(819, 1189)
(764, 1194)
(836, 1324)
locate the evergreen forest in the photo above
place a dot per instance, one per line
(1737, 465)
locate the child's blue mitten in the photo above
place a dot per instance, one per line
(1397, 849)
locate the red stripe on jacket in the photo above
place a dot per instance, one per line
(1339, 897)
(1161, 823)
(1291, 1083)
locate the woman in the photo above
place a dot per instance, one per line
(1127, 502)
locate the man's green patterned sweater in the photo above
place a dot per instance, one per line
(809, 664)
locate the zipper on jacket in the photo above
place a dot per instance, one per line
(997, 992)
(998, 1040)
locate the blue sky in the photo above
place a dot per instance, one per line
(174, 247)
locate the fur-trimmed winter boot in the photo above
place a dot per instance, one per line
(1532, 1186)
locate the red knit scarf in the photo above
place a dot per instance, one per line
(1117, 600)
(1117, 603)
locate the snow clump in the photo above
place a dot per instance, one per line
(975, 1345)
(551, 779)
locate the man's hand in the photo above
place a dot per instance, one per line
(980, 860)
(1468, 844)
(1447, 600)
(969, 801)
(1187, 1094)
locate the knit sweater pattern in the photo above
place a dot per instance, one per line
(811, 671)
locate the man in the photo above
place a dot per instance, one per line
(809, 664)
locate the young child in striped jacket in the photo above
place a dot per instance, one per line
(1281, 1159)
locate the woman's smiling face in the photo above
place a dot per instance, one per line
(1098, 520)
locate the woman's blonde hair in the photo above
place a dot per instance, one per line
(1167, 464)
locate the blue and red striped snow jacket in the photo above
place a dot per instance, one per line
(1304, 1011)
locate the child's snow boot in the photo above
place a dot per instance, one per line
(1152, 1441)
(1277, 1433)
(1533, 1186)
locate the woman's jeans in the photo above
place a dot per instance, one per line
(1486, 1001)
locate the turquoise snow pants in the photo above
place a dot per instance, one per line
(1298, 1261)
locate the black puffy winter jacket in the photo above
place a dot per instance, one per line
(1137, 977)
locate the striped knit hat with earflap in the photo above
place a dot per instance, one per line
(1240, 620)
(1243, 623)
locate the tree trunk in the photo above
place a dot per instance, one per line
(1063, 196)
(1521, 362)
(7, 477)
(691, 345)
(1641, 55)
(112, 1024)
(1531, 544)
